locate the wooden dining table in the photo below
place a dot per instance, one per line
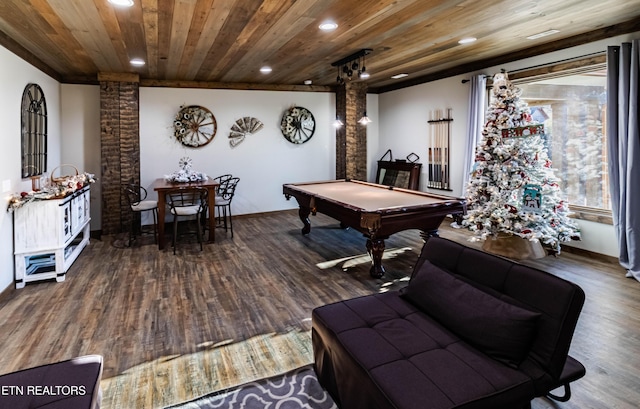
(162, 186)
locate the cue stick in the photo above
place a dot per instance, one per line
(434, 148)
(438, 174)
(438, 167)
(446, 129)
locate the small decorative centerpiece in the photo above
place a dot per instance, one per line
(185, 174)
(57, 188)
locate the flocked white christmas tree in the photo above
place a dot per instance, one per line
(512, 188)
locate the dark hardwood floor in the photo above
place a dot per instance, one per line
(134, 305)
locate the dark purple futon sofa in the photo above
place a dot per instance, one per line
(471, 330)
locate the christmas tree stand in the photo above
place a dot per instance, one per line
(514, 247)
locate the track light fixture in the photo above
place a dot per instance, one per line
(351, 66)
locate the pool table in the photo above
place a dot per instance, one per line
(377, 211)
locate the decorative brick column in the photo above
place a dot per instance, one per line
(120, 146)
(351, 139)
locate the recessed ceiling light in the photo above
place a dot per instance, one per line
(138, 62)
(365, 75)
(543, 34)
(265, 70)
(328, 25)
(467, 40)
(308, 82)
(124, 3)
(395, 77)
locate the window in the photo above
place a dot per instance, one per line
(34, 131)
(571, 104)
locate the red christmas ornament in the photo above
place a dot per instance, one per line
(512, 209)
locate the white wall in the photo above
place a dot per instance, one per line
(15, 74)
(373, 135)
(263, 161)
(404, 129)
(81, 137)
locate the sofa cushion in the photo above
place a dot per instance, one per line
(389, 354)
(496, 327)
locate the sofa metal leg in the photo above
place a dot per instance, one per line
(563, 398)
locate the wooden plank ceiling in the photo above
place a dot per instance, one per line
(224, 43)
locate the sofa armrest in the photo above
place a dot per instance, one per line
(572, 371)
(70, 384)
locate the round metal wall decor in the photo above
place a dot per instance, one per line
(298, 125)
(194, 126)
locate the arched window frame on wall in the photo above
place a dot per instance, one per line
(34, 131)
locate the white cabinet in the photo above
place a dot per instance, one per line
(49, 235)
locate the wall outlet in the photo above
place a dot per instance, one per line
(6, 185)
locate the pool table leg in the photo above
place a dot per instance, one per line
(303, 213)
(375, 247)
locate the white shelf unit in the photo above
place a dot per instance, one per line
(49, 235)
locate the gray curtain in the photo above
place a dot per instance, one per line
(475, 124)
(624, 151)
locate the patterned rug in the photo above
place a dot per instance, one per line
(183, 378)
(297, 389)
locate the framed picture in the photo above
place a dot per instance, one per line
(532, 198)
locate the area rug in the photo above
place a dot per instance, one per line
(182, 378)
(297, 389)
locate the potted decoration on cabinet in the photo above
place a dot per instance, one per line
(54, 187)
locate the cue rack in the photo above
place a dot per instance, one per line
(439, 154)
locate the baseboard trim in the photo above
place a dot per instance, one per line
(591, 255)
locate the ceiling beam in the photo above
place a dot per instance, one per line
(234, 85)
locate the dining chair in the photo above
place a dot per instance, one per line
(225, 194)
(220, 179)
(136, 197)
(188, 203)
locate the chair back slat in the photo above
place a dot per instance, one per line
(227, 189)
(222, 178)
(134, 193)
(187, 197)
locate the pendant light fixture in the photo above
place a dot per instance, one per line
(352, 66)
(365, 119)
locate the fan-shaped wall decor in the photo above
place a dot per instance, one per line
(243, 127)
